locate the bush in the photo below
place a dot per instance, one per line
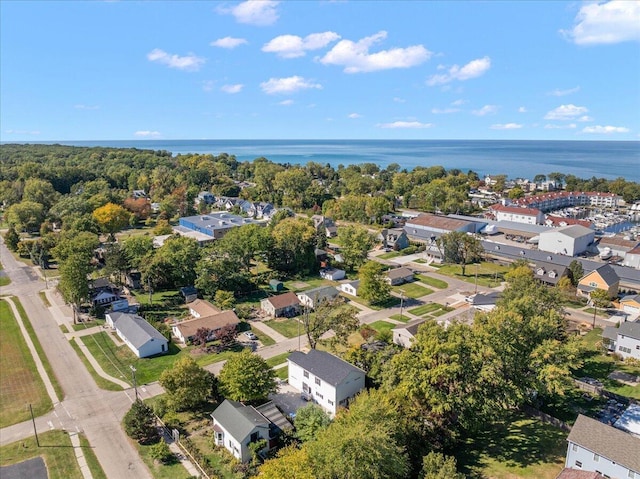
(410, 250)
(140, 423)
(161, 453)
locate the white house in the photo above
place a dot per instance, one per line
(313, 297)
(632, 258)
(282, 305)
(350, 287)
(597, 447)
(627, 342)
(398, 276)
(236, 426)
(324, 379)
(332, 274)
(568, 240)
(404, 334)
(142, 338)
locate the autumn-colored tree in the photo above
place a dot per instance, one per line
(111, 218)
(140, 207)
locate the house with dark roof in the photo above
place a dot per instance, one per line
(284, 305)
(624, 340)
(398, 276)
(403, 334)
(630, 304)
(325, 379)
(350, 287)
(185, 331)
(485, 301)
(604, 278)
(394, 238)
(236, 426)
(142, 338)
(549, 273)
(597, 447)
(313, 297)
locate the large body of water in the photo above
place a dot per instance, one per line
(524, 159)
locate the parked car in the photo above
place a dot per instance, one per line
(250, 335)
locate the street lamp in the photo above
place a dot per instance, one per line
(133, 376)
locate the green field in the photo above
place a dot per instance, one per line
(390, 255)
(382, 326)
(404, 318)
(433, 282)
(57, 452)
(277, 360)
(20, 383)
(425, 309)
(488, 274)
(521, 448)
(411, 290)
(288, 327)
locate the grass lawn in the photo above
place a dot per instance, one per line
(411, 290)
(282, 373)
(425, 309)
(87, 324)
(38, 346)
(599, 365)
(390, 303)
(220, 461)
(433, 282)
(44, 299)
(489, 274)
(20, 383)
(310, 282)
(288, 327)
(4, 280)
(161, 471)
(382, 326)
(279, 359)
(390, 254)
(404, 318)
(101, 382)
(57, 453)
(159, 297)
(521, 448)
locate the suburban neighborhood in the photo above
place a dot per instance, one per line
(236, 335)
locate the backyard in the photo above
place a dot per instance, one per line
(20, 383)
(485, 273)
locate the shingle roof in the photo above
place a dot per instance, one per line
(203, 308)
(412, 326)
(573, 231)
(481, 299)
(284, 300)
(617, 446)
(607, 274)
(331, 369)
(439, 222)
(399, 273)
(568, 473)
(630, 329)
(516, 209)
(618, 241)
(321, 293)
(610, 332)
(137, 331)
(631, 298)
(216, 321)
(239, 420)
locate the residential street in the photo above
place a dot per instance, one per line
(85, 407)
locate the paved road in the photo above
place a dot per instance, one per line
(85, 407)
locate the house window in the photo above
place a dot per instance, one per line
(578, 464)
(318, 382)
(593, 284)
(305, 374)
(631, 475)
(254, 437)
(319, 395)
(330, 402)
(596, 458)
(574, 447)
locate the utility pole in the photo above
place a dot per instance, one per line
(476, 278)
(401, 302)
(133, 375)
(34, 426)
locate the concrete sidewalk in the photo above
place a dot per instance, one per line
(275, 335)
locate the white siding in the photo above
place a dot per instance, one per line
(585, 460)
(402, 337)
(628, 347)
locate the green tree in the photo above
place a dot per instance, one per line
(599, 299)
(12, 238)
(460, 248)
(40, 191)
(174, 263)
(373, 287)
(290, 463)
(436, 465)
(292, 183)
(293, 250)
(309, 421)
(224, 299)
(330, 315)
(356, 242)
(160, 452)
(220, 273)
(576, 272)
(187, 384)
(25, 216)
(516, 192)
(73, 283)
(75, 243)
(140, 423)
(111, 218)
(247, 377)
(243, 244)
(138, 250)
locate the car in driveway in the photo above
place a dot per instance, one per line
(250, 335)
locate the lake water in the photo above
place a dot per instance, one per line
(525, 159)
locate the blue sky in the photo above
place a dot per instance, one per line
(259, 69)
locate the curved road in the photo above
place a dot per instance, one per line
(85, 407)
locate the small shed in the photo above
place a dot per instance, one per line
(276, 285)
(189, 293)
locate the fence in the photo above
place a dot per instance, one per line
(175, 436)
(590, 388)
(544, 417)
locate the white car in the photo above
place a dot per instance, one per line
(250, 335)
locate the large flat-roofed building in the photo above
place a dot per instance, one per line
(563, 199)
(215, 224)
(426, 227)
(568, 240)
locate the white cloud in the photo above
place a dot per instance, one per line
(355, 115)
(566, 112)
(288, 85)
(399, 100)
(286, 102)
(506, 126)
(459, 102)
(254, 12)
(473, 69)
(606, 23)
(292, 46)
(86, 107)
(355, 56)
(569, 126)
(522, 109)
(21, 132)
(189, 62)
(228, 42)
(485, 110)
(569, 91)
(237, 88)
(147, 134)
(441, 111)
(605, 129)
(585, 118)
(405, 124)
